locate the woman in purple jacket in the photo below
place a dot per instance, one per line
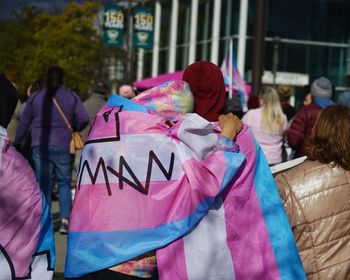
(51, 137)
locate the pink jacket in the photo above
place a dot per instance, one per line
(271, 143)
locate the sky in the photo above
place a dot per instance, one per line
(7, 6)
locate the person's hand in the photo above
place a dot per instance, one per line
(230, 125)
(169, 123)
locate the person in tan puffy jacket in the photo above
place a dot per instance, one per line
(316, 196)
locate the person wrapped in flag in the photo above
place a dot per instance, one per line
(148, 173)
(245, 234)
(26, 230)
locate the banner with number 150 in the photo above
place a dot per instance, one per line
(143, 27)
(113, 25)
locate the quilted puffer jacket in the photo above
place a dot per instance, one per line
(301, 128)
(317, 200)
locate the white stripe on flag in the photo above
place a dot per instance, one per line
(39, 268)
(127, 147)
(5, 268)
(206, 252)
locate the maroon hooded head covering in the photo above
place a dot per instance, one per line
(207, 85)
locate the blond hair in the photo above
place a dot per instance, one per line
(272, 117)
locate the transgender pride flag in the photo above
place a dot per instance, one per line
(27, 249)
(245, 235)
(238, 84)
(142, 185)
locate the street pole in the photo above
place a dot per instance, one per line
(275, 59)
(214, 55)
(347, 71)
(155, 53)
(173, 35)
(259, 44)
(230, 70)
(128, 45)
(193, 32)
(242, 38)
(129, 58)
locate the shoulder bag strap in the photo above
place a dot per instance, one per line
(62, 114)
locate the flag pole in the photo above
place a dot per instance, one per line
(230, 70)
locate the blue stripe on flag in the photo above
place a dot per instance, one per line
(46, 239)
(233, 164)
(93, 251)
(280, 233)
(116, 100)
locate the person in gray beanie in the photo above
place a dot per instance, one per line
(321, 91)
(304, 120)
(344, 99)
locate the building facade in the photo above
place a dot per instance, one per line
(303, 37)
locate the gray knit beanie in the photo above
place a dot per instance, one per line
(344, 99)
(322, 88)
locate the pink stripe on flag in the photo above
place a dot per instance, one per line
(247, 235)
(177, 261)
(120, 211)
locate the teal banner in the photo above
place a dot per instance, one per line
(113, 25)
(143, 20)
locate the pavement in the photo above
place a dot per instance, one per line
(60, 243)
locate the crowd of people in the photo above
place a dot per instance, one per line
(168, 171)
